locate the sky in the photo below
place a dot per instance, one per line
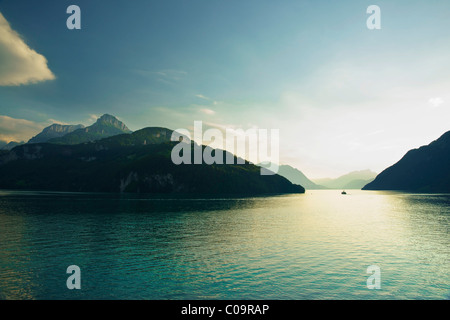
(344, 97)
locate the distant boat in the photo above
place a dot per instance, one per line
(343, 192)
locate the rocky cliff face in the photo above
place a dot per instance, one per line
(54, 131)
(105, 126)
(112, 121)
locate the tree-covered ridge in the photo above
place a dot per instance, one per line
(138, 162)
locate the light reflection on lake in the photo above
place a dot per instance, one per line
(312, 246)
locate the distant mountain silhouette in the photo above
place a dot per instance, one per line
(357, 184)
(352, 180)
(137, 162)
(10, 145)
(426, 169)
(295, 176)
(106, 126)
(54, 131)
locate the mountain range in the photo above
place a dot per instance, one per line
(54, 131)
(295, 176)
(352, 180)
(128, 162)
(9, 145)
(105, 126)
(426, 169)
(107, 156)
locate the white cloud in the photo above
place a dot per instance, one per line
(169, 77)
(19, 63)
(51, 121)
(207, 111)
(12, 129)
(202, 97)
(435, 102)
(93, 117)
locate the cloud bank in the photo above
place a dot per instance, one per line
(12, 129)
(19, 64)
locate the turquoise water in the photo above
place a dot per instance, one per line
(312, 246)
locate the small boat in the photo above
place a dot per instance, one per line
(343, 192)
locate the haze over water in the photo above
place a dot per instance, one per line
(316, 245)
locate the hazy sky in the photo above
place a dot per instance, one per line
(344, 97)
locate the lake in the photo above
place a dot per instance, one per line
(316, 245)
